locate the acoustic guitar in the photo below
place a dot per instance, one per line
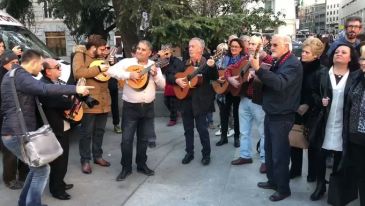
(242, 72)
(102, 76)
(141, 83)
(75, 113)
(220, 86)
(191, 77)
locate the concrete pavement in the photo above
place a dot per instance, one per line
(174, 184)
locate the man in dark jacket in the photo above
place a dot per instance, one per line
(11, 164)
(281, 97)
(54, 107)
(195, 106)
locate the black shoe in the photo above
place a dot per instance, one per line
(222, 142)
(266, 185)
(152, 144)
(123, 174)
(236, 143)
(311, 179)
(187, 159)
(205, 161)
(62, 196)
(277, 196)
(319, 192)
(145, 170)
(68, 186)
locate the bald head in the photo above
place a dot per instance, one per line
(280, 45)
(51, 68)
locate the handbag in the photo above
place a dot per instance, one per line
(38, 147)
(342, 188)
(297, 137)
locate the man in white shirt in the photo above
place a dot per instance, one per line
(138, 108)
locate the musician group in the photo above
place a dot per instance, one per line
(254, 81)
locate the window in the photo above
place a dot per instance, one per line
(56, 42)
(47, 11)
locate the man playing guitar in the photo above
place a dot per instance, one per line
(138, 107)
(196, 106)
(94, 119)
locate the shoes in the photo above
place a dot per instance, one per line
(123, 174)
(117, 129)
(152, 144)
(277, 196)
(102, 162)
(230, 132)
(211, 125)
(187, 159)
(221, 142)
(263, 168)
(205, 161)
(319, 192)
(86, 168)
(145, 170)
(171, 123)
(266, 185)
(68, 186)
(236, 143)
(311, 179)
(62, 196)
(15, 185)
(241, 161)
(294, 175)
(218, 132)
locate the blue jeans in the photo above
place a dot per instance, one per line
(37, 177)
(249, 112)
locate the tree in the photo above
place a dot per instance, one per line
(19, 9)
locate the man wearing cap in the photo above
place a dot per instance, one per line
(54, 107)
(11, 164)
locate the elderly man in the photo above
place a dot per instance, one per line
(199, 103)
(281, 97)
(352, 29)
(138, 108)
(250, 108)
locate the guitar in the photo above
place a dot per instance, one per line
(76, 112)
(103, 77)
(242, 72)
(191, 77)
(141, 83)
(220, 86)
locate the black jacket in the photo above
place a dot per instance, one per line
(282, 86)
(27, 88)
(202, 97)
(324, 83)
(174, 66)
(54, 107)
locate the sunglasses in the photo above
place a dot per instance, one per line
(107, 47)
(58, 67)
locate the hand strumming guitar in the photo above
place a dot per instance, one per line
(181, 82)
(234, 81)
(103, 67)
(153, 70)
(134, 75)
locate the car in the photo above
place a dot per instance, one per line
(297, 49)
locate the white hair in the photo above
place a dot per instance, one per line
(201, 41)
(286, 40)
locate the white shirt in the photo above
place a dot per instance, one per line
(333, 135)
(147, 95)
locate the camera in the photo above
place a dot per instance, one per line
(89, 101)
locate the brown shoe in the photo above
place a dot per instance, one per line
(86, 168)
(102, 162)
(263, 168)
(241, 161)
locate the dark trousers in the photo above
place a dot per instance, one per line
(296, 157)
(202, 127)
(172, 103)
(357, 154)
(59, 166)
(114, 106)
(12, 166)
(136, 117)
(224, 113)
(321, 163)
(277, 150)
(92, 133)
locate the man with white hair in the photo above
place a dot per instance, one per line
(199, 103)
(281, 97)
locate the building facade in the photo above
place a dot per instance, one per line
(351, 8)
(289, 16)
(312, 17)
(332, 16)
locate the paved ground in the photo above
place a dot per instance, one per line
(219, 184)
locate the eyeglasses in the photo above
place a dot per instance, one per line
(235, 47)
(354, 26)
(58, 67)
(107, 47)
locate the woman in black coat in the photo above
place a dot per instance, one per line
(312, 50)
(329, 96)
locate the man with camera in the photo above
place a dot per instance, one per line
(54, 107)
(95, 112)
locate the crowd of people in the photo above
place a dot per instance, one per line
(322, 91)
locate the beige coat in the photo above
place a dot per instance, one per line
(101, 91)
